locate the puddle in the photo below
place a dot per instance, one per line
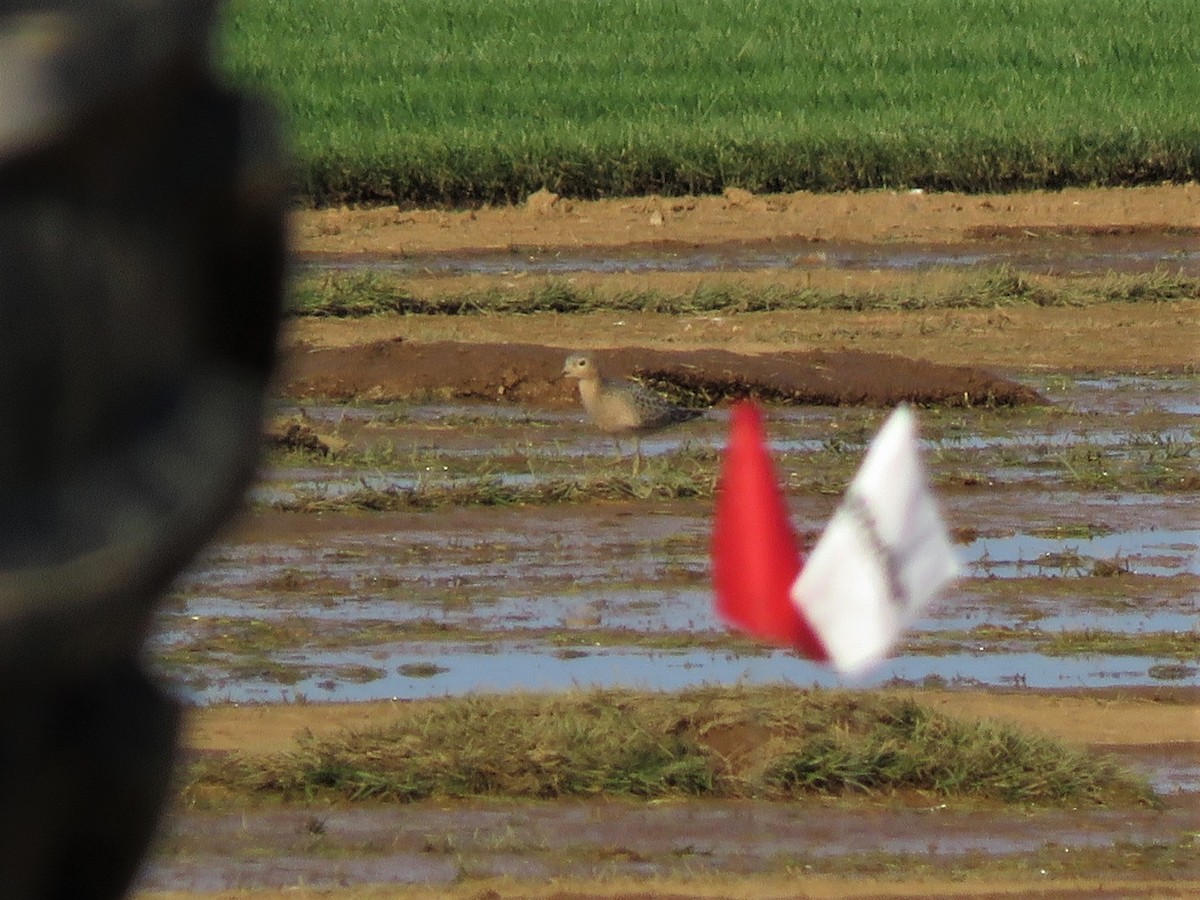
(1182, 396)
(506, 666)
(502, 579)
(1124, 394)
(1074, 255)
(1041, 616)
(435, 843)
(1171, 770)
(1133, 442)
(1149, 552)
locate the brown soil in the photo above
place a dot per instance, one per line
(836, 357)
(813, 355)
(531, 373)
(878, 216)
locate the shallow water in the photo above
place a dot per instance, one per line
(551, 597)
(504, 585)
(1146, 552)
(513, 668)
(1061, 255)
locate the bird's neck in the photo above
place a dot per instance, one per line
(589, 392)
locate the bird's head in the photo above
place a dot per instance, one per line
(581, 366)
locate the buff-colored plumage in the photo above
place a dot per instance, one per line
(622, 407)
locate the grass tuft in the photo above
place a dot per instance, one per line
(772, 742)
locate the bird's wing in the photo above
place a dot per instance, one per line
(656, 411)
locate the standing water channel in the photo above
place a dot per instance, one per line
(1080, 561)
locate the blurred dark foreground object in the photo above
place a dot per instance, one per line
(141, 256)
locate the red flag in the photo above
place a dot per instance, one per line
(756, 554)
(881, 560)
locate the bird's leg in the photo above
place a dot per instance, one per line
(617, 449)
(637, 454)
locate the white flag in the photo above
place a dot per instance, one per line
(884, 555)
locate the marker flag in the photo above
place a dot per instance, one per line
(756, 554)
(882, 558)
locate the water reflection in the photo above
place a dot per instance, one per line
(1079, 255)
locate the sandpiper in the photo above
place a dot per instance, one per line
(621, 407)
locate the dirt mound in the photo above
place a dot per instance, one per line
(530, 373)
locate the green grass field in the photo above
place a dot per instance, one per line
(461, 101)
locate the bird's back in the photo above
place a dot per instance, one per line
(624, 406)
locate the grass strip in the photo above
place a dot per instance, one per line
(346, 294)
(826, 475)
(490, 491)
(461, 102)
(774, 743)
(1184, 645)
(1181, 645)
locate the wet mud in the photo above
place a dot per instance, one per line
(1038, 251)
(305, 607)
(428, 844)
(1070, 579)
(1071, 498)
